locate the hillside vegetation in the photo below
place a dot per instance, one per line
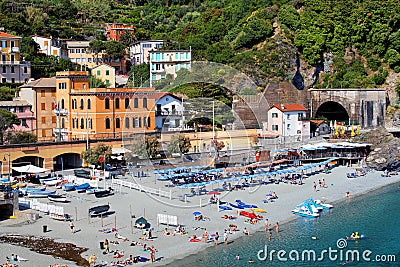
(258, 37)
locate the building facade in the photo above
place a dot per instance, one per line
(23, 109)
(41, 95)
(169, 112)
(13, 69)
(50, 46)
(140, 51)
(79, 53)
(168, 62)
(289, 121)
(101, 113)
(105, 73)
(114, 31)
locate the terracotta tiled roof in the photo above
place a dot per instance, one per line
(6, 35)
(317, 122)
(42, 82)
(289, 107)
(158, 95)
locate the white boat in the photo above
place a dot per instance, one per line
(51, 182)
(26, 190)
(43, 180)
(304, 212)
(326, 205)
(43, 193)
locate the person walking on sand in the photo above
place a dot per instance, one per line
(226, 238)
(266, 225)
(216, 237)
(315, 186)
(72, 227)
(153, 254)
(277, 228)
(205, 236)
(269, 235)
(106, 246)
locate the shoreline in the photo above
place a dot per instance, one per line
(178, 247)
(284, 222)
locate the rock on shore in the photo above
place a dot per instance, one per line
(385, 149)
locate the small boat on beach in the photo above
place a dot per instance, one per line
(236, 206)
(26, 190)
(250, 215)
(325, 205)
(57, 198)
(103, 193)
(68, 187)
(258, 210)
(51, 182)
(305, 213)
(43, 180)
(82, 187)
(221, 207)
(98, 210)
(44, 193)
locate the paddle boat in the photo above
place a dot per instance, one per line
(57, 198)
(326, 205)
(68, 187)
(355, 236)
(98, 210)
(305, 210)
(44, 193)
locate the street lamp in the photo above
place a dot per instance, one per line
(4, 159)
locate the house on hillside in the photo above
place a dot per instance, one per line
(50, 46)
(169, 112)
(319, 127)
(289, 121)
(105, 73)
(23, 109)
(114, 31)
(139, 51)
(13, 69)
(168, 62)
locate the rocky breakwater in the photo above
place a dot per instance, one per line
(385, 154)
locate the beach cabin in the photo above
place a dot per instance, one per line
(8, 202)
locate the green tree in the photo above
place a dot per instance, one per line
(146, 146)
(98, 156)
(21, 137)
(179, 144)
(96, 47)
(95, 82)
(7, 120)
(29, 48)
(127, 39)
(115, 50)
(392, 57)
(138, 75)
(7, 93)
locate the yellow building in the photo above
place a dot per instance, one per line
(105, 73)
(12, 67)
(101, 113)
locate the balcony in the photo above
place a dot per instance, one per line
(168, 113)
(63, 112)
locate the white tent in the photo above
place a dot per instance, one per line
(29, 169)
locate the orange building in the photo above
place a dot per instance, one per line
(100, 113)
(114, 31)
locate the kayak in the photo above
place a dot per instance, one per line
(258, 210)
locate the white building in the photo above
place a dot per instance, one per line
(139, 52)
(168, 62)
(288, 120)
(50, 46)
(169, 112)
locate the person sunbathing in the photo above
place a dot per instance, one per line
(118, 254)
(121, 237)
(165, 232)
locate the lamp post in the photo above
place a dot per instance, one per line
(4, 159)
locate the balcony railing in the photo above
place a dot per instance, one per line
(168, 113)
(60, 111)
(14, 49)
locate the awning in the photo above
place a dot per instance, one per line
(29, 169)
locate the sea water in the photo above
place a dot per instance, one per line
(375, 215)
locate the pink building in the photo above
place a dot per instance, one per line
(24, 112)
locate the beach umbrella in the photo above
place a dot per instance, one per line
(342, 129)
(336, 129)
(352, 131)
(141, 222)
(196, 213)
(214, 193)
(358, 129)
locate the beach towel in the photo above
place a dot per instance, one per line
(195, 240)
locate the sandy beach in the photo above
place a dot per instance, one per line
(128, 204)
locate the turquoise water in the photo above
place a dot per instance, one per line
(376, 215)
